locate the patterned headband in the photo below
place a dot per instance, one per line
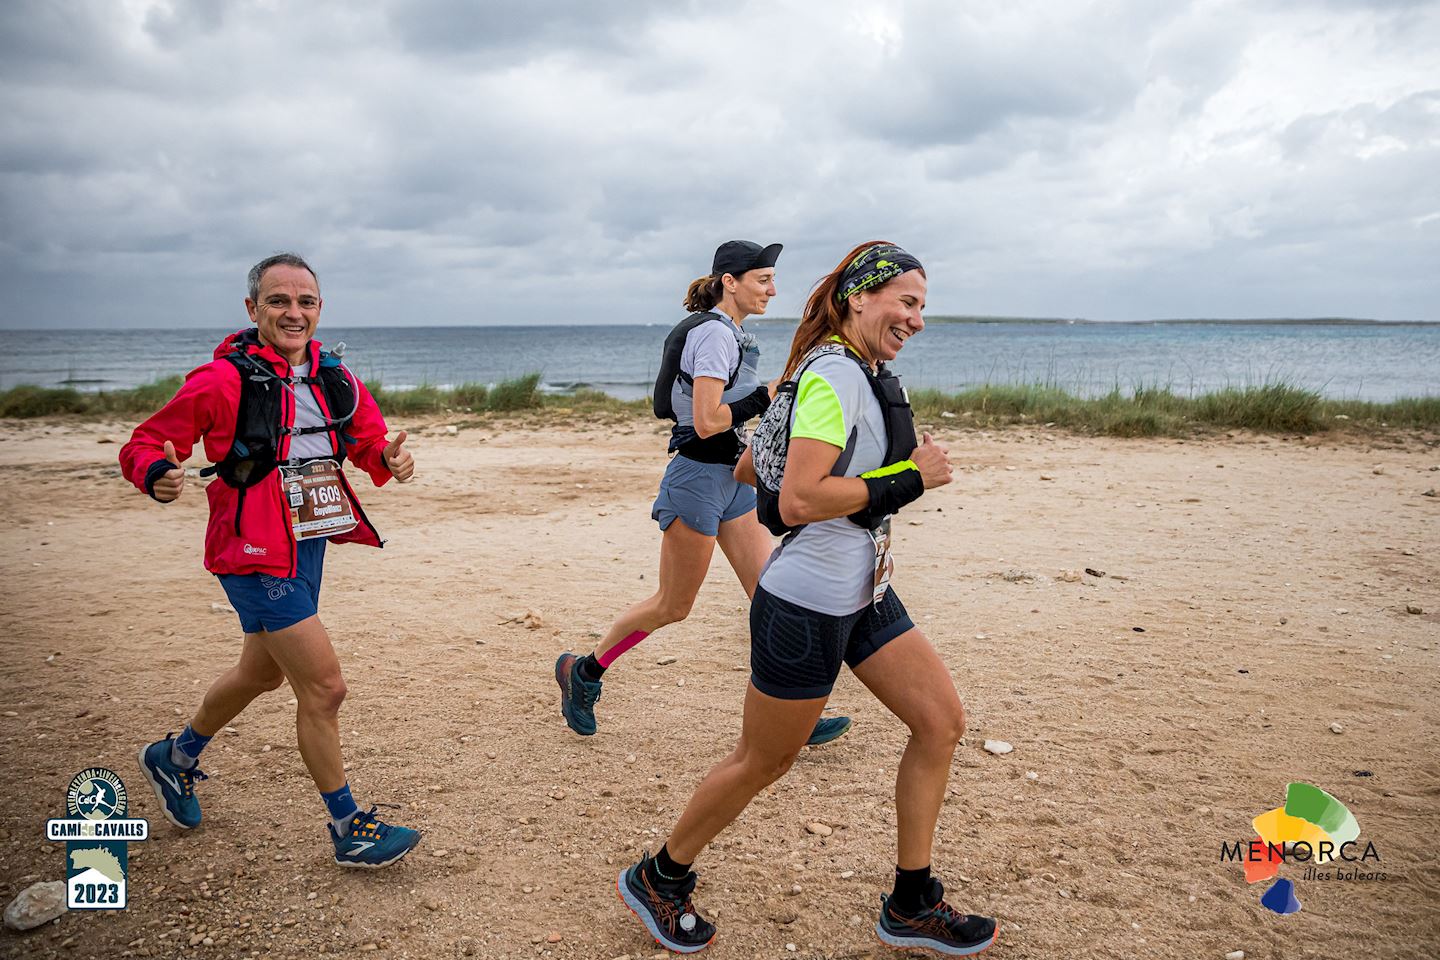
(873, 266)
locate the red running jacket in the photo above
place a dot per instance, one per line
(206, 405)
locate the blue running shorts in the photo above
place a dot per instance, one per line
(704, 495)
(267, 603)
(796, 653)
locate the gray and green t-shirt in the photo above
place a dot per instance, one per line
(829, 565)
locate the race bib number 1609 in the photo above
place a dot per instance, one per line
(319, 506)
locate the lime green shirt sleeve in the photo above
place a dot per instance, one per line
(818, 413)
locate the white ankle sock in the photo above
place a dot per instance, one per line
(180, 758)
(342, 826)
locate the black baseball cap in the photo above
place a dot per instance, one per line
(736, 256)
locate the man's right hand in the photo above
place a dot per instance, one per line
(933, 462)
(172, 482)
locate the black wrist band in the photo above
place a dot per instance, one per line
(154, 472)
(753, 405)
(888, 494)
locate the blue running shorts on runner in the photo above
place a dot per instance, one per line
(266, 603)
(704, 495)
(796, 653)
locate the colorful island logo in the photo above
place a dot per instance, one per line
(1314, 828)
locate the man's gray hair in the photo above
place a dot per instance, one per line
(277, 260)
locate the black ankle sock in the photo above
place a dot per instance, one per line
(667, 869)
(910, 889)
(589, 668)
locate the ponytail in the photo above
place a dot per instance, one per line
(703, 293)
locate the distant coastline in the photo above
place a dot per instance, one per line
(1164, 321)
(791, 321)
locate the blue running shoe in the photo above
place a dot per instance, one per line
(577, 695)
(827, 729)
(371, 843)
(938, 926)
(665, 908)
(174, 785)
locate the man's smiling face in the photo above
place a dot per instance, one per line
(287, 311)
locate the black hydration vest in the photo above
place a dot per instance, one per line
(670, 364)
(899, 441)
(255, 452)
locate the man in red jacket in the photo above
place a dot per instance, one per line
(279, 416)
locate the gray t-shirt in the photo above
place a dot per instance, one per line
(829, 566)
(307, 414)
(713, 349)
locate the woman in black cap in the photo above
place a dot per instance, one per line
(851, 460)
(709, 386)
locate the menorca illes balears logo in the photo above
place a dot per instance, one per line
(1312, 826)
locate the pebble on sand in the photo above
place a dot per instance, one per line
(819, 829)
(1414, 608)
(998, 747)
(1235, 955)
(37, 904)
(1336, 728)
(666, 660)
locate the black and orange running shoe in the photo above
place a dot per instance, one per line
(665, 908)
(371, 842)
(938, 926)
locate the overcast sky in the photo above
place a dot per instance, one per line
(455, 161)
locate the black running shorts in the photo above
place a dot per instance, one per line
(795, 652)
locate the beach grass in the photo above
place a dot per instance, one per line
(1157, 411)
(1138, 411)
(27, 402)
(518, 394)
(522, 393)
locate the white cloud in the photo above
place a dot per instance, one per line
(450, 161)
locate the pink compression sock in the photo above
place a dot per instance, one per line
(614, 653)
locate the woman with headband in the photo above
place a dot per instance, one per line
(824, 599)
(709, 386)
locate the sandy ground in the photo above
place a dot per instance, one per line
(1270, 578)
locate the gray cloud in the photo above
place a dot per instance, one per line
(447, 161)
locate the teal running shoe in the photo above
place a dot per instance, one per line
(938, 926)
(827, 729)
(371, 843)
(665, 908)
(174, 786)
(577, 695)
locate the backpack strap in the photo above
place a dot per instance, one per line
(688, 380)
(670, 364)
